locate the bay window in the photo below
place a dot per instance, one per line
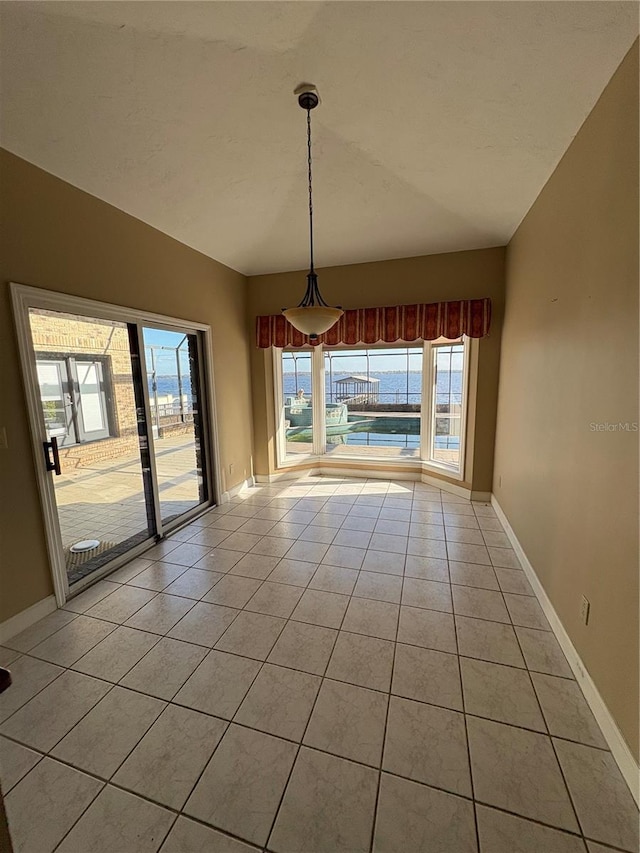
(388, 403)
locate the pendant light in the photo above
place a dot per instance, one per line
(312, 316)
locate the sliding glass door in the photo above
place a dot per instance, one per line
(120, 411)
(172, 364)
(87, 392)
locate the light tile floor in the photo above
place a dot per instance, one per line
(324, 665)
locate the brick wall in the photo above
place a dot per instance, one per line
(66, 334)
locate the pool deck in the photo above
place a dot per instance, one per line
(372, 451)
(105, 500)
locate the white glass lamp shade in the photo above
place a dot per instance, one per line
(313, 320)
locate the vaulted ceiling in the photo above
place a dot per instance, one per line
(440, 121)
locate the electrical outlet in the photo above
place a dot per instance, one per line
(585, 607)
(500, 481)
(231, 467)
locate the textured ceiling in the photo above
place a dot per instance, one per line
(440, 121)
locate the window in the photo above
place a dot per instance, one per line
(391, 403)
(76, 397)
(373, 402)
(297, 402)
(446, 411)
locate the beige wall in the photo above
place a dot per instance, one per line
(59, 238)
(432, 278)
(570, 359)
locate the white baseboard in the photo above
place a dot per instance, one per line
(263, 479)
(26, 618)
(365, 473)
(294, 474)
(612, 734)
(370, 474)
(452, 488)
(235, 490)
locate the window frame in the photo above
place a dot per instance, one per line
(318, 453)
(426, 429)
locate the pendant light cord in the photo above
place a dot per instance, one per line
(315, 322)
(311, 269)
(312, 297)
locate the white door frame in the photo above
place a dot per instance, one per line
(23, 298)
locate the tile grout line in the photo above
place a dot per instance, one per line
(35, 695)
(90, 649)
(81, 815)
(293, 764)
(467, 739)
(105, 782)
(66, 669)
(544, 719)
(172, 701)
(191, 642)
(351, 596)
(448, 791)
(40, 755)
(284, 583)
(165, 636)
(553, 748)
(37, 643)
(386, 718)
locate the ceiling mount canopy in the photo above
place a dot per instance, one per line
(313, 316)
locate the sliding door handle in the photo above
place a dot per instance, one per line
(52, 459)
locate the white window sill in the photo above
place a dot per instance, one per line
(421, 465)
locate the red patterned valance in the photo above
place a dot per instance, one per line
(471, 317)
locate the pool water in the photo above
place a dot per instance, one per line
(379, 439)
(380, 432)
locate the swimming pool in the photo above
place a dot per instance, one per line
(380, 432)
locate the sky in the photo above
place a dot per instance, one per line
(381, 360)
(162, 337)
(165, 360)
